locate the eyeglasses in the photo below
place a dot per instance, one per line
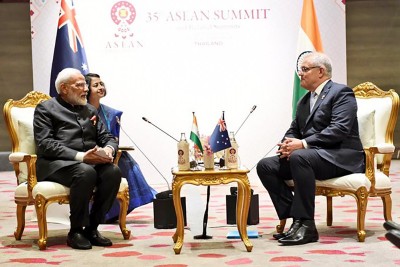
(79, 85)
(307, 69)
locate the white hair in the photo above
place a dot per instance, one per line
(321, 60)
(64, 76)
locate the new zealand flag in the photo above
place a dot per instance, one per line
(219, 139)
(68, 50)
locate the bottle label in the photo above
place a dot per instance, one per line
(183, 156)
(232, 160)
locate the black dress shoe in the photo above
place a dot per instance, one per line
(390, 225)
(96, 239)
(306, 233)
(293, 228)
(78, 241)
(394, 237)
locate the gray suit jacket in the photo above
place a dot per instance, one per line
(332, 126)
(62, 130)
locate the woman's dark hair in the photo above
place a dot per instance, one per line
(88, 79)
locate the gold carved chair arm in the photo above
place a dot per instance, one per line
(30, 160)
(370, 153)
(117, 156)
(119, 152)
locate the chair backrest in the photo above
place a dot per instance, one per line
(377, 116)
(18, 116)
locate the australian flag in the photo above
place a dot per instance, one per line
(219, 139)
(68, 50)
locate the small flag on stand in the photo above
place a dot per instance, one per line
(68, 50)
(219, 139)
(194, 134)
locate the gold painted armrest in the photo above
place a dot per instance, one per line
(126, 148)
(30, 161)
(117, 156)
(370, 153)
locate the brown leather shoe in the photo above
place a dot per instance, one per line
(96, 239)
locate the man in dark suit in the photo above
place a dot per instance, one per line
(322, 142)
(75, 149)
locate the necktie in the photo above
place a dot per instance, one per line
(313, 99)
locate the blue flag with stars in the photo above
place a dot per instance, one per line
(68, 50)
(219, 139)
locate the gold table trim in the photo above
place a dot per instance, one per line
(212, 177)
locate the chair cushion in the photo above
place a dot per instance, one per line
(366, 125)
(52, 189)
(21, 191)
(25, 132)
(382, 181)
(22, 120)
(353, 181)
(383, 109)
(47, 189)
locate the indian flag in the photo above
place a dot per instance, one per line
(309, 40)
(194, 134)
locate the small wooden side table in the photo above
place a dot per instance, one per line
(212, 177)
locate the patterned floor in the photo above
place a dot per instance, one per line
(154, 247)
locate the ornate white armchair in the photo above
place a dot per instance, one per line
(377, 116)
(18, 116)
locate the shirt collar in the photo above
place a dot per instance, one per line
(320, 87)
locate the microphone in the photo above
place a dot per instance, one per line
(193, 163)
(251, 111)
(164, 194)
(146, 120)
(269, 151)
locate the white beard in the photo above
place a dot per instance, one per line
(76, 100)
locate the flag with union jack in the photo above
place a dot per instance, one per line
(69, 50)
(219, 139)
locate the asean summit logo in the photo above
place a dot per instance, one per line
(123, 14)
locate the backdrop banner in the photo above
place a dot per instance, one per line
(164, 60)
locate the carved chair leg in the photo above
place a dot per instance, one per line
(329, 215)
(20, 221)
(41, 207)
(387, 207)
(281, 226)
(362, 201)
(123, 199)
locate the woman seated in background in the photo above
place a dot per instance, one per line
(140, 193)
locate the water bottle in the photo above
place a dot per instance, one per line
(183, 154)
(231, 154)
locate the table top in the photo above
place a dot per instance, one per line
(215, 171)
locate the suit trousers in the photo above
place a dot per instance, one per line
(304, 166)
(82, 179)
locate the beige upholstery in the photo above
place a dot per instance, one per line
(377, 116)
(18, 116)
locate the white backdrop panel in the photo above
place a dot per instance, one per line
(188, 55)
